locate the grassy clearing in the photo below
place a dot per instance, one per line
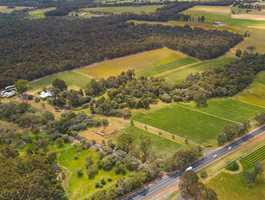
(233, 187)
(179, 75)
(70, 77)
(255, 93)
(159, 145)
(141, 63)
(6, 9)
(251, 159)
(124, 9)
(39, 13)
(187, 123)
(229, 109)
(81, 187)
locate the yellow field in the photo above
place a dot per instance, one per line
(211, 9)
(138, 62)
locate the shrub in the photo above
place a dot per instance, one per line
(232, 166)
(80, 173)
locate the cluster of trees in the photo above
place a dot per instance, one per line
(126, 91)
(191, 188)
(183, 159)
(251, 175)
(34, 48)
(64, 98)
(231, 132)
(24, 115)
(71, 123)
(28, 177)
(220, 82)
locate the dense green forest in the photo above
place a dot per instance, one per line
(34, 48)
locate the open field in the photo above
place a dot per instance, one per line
(233, 187)
(124, 9)
(80, 187)
(39, 13)
(71, 78)
(159, 145)
(199, 124)
(143, 62)
(180, 74)
(255, 93)
(228, 109)
(177, 119)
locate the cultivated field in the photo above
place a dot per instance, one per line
(179, 74)
(201, 125)
(148, 62)
(185, 122)
(251, 159)
(255, 93)
(124, 9)
(74, 79)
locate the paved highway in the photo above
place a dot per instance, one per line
(167, 181)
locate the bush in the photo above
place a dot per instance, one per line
(232, 166)
(203, 174)
(80, 173)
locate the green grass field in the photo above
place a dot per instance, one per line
(39, 13)
(229, 109)
(71, 78)
(187, 123)
(255, 93)
(159, 145)
(81, 187)
(199, 124)
(178, 76)
(233, 187)
(254, 157)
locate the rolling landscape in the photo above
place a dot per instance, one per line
(132, 100)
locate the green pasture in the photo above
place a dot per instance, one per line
(255, 93)
(71, 78)
(159, 145)
(228, 109)
(177, 119)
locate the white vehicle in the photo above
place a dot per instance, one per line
(229, 148)
(215, 155)
(189, 168)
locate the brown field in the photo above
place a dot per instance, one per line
(212, 9)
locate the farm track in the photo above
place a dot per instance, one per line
(177, 69)
(162, 133)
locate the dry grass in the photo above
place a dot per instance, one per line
(212, 9)
(6, 9)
